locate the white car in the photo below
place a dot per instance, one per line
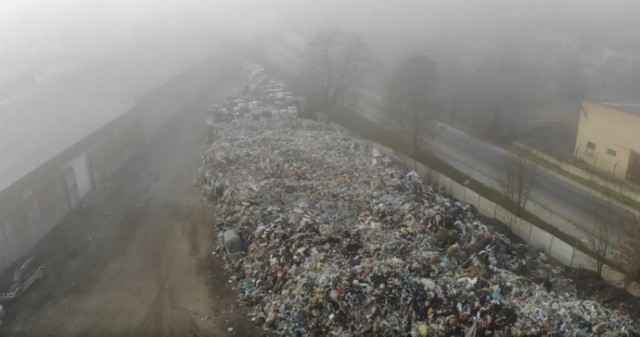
(29, 272)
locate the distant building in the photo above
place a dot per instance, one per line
(609, 138)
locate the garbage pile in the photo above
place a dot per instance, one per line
(336, 239)
(262, 96)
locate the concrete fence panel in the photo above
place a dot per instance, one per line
(457, 191)
(616, 278)
(583, 261)
(445, 183)
(487, 208)
(521, 228)
(396, 159)
(540, 239)
(434, 178)
(503, 215)
(407, 164)
(410, 164)
(426, 177)
(554, 220)
(561, 251)
(405, 160)
(386, 150)
(471, 197)
(422, 171)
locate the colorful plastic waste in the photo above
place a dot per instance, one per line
(342, 241)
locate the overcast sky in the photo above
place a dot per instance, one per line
(36, 33)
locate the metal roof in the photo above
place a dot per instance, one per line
(44, 120)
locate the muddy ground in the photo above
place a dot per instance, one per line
(135, 260)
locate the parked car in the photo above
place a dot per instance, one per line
(29, 272)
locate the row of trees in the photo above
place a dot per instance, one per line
(337, 63)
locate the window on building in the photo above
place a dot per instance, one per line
(611, 152)
(591, 146)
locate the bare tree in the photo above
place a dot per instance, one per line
(335, 63)
(599, 244)
(410, 99)
(517, 182)
(628, 257)
(598, 239)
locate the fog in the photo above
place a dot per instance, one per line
(502, 64)
(549, 46)
(109, 113)
(38, 35)
(41, 36)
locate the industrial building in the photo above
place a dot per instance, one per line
(609, 138)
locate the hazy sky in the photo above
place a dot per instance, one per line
(37, 33)
(34, 33)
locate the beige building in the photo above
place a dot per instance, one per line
(609, 138)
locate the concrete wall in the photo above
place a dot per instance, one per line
(561, 251)
(36, 203)
(607, 128)
(120, 143)
(33, 205)
(80, 167)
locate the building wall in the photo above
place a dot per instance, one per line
(609, 129)
(37, 202)
(83, 175)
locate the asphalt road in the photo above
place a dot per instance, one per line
(558, 195)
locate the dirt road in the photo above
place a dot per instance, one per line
(136, 260)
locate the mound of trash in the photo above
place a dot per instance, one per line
(333, 238)
(261, 96)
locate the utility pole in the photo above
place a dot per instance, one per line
(595, 160)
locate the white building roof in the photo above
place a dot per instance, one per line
(39, 123)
